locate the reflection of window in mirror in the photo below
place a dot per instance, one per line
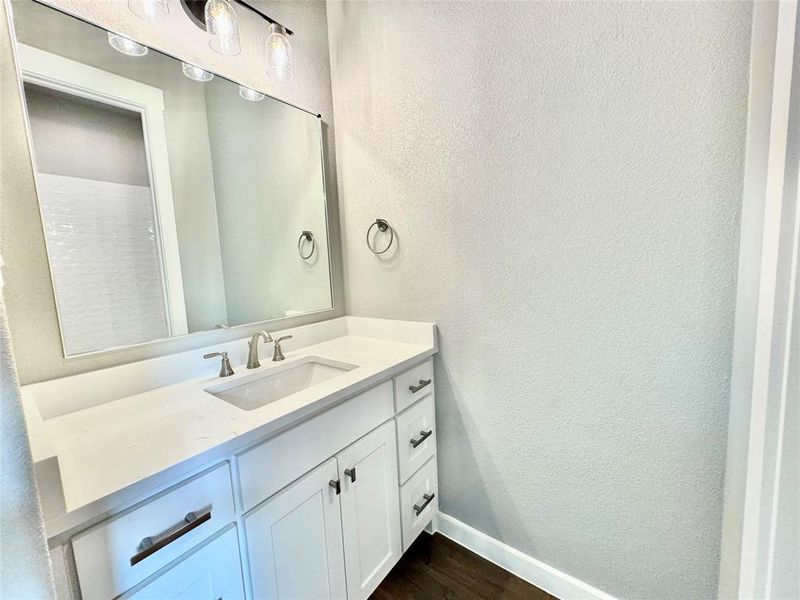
(101, 217)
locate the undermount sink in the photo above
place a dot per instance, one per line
(260, 389)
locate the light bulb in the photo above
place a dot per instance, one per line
(279, 54)
(248, 94)
(126, 45)
(223, 27)
(196, 73)
(150, 10)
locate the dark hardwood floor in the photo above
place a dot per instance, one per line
(436, 568)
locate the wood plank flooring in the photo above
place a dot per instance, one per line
(436, 568)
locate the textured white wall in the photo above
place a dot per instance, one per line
(27, 279)
(25, 570)
(565, 181)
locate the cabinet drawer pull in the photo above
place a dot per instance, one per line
(351, 473)
(422, 383)
(336, 485)
(423, 435)
(419, 508)
(150, 546)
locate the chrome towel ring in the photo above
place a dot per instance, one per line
(309, 237)
(382, 225)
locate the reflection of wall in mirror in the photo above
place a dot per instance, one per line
(268, 187)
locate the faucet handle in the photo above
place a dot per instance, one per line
(225, 369)
(278, 351)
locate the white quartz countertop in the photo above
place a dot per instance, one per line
(108, 447)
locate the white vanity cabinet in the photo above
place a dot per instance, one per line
(340, 523)
(294, 540)
(322, 509)
(370, 510)
(273, 464)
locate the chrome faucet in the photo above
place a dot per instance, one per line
(252, 355)
(277, 354)
(225, 369)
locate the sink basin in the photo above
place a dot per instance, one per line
(260, 389)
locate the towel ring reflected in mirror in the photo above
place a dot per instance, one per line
(309, 237)
(382, 226)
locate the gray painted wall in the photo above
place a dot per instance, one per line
(34, 326)
(565, 182)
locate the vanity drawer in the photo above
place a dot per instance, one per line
(413, 385)
(416, 437)
(419, 501)
(212, 571)
(109, 558)
(274, 464)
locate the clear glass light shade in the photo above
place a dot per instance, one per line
(150, 10)
(196, 73)
(248, 94)
(280, 59)
(222, 27)
(125, 45)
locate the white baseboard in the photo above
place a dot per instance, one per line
(542, 575)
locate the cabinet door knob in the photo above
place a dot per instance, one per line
(423, 435)
(351, 473)
(336, 485)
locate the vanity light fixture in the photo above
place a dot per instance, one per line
(218, 18)
(126, 45)
(150, 10)
(196, 73)
(250, 94)
(222, 26)
(279, 54)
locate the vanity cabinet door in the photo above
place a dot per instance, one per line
(209, 573)
(370, 510)
(294, 540)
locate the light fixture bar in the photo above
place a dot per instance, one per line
(267, 18)
(196, 11)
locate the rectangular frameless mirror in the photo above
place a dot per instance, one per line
(172, 201)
